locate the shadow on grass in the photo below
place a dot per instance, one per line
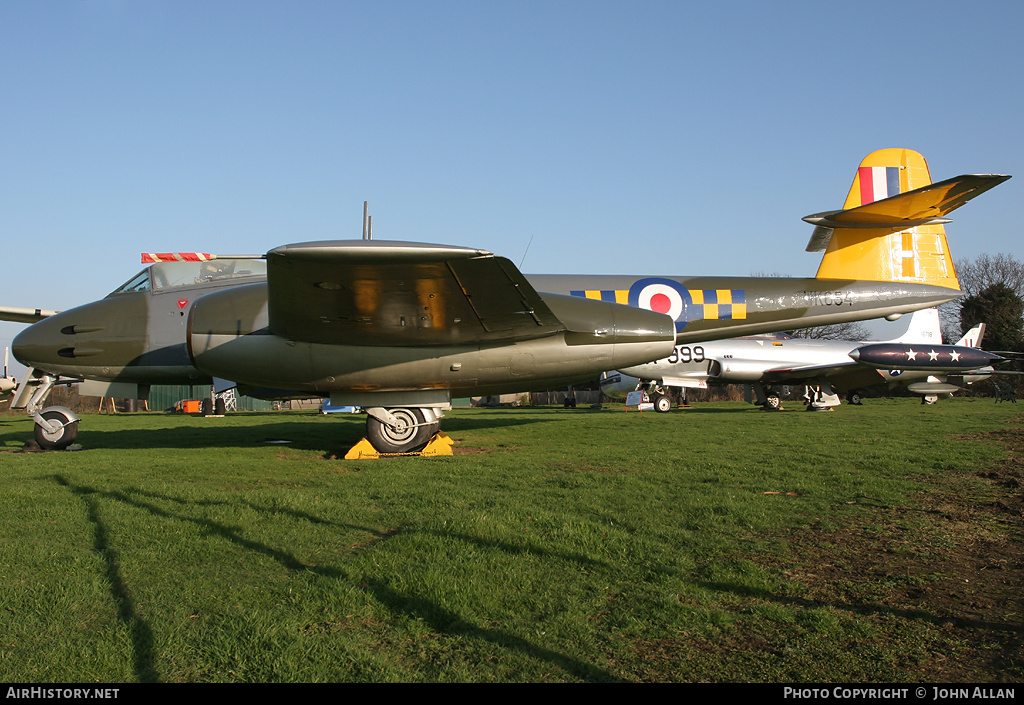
(308, 432)
(696, 408)
(333, 437)
(440, 619)
(141, 633)
(445, 622)
(699, 409)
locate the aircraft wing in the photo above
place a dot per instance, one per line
(787, 374)
(24, 315)
(376, 292)
(845, 375)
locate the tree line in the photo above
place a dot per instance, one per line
(993, 289)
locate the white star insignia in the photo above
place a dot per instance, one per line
(911, 355)
(933, 356)
(955, 355)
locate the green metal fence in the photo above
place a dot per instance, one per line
(164, 398)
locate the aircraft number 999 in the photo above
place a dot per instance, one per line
(684, 354)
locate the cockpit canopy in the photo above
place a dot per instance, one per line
(170, 275)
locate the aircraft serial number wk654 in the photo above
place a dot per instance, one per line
(836, 297)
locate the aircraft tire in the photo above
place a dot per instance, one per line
(662, 404)
(772, 402)
(855, 398)
(407, 438)
(62, 437)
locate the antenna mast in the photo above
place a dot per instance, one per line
(367, 222)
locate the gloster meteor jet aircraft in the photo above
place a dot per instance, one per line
(399, 328)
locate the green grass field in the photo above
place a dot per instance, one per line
(719, 543)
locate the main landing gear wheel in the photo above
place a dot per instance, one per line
(407, 436)
(662, 403)
(772, 402)
(856, 398)
(64, 435)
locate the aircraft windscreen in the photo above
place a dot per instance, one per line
(168, 275)
(140, 282)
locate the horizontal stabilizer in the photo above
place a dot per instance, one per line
(923, 206)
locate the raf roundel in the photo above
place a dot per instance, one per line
(661, 298)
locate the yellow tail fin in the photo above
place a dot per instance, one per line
(891, 226)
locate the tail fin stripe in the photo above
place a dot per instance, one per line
(892, 174)
(878, 182)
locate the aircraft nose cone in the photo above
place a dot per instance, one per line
(855, 354)
(30, 346)
(99, 336)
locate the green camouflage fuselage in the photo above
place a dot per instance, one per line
(191, 333)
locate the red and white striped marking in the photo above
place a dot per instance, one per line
(151, 257)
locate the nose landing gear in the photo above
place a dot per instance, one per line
(56, 426)
(60, 429)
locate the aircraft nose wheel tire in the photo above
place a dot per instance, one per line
(772, 402)
(61, 438)
(407, 437)
(662, 403)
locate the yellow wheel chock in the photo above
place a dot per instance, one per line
(440, 444)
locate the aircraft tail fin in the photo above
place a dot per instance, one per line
(891, 226)
(924, 328)
(972, 338)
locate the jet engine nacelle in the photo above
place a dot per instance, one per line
(736, 370)
(229, 337)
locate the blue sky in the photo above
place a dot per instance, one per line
(638, 138)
